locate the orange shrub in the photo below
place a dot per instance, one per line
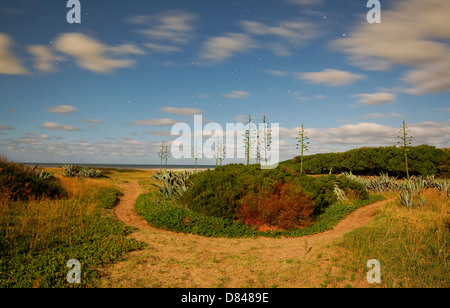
(287, 206)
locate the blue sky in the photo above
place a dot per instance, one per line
(109, 89)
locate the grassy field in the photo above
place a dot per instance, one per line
(412, 245)
(38, 237)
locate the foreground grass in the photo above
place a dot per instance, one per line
(38, 237)
(412, 245)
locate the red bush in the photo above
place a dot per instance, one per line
(287, 206)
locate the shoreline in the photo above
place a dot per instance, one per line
(125, 166)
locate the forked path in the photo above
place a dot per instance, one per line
(183, 260)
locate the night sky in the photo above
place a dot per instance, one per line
(109, 89)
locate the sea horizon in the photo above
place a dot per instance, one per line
(118, 166)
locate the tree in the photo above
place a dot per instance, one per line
(163, 154)
(302, 144)
(405, 143)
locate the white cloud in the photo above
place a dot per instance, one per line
(415, 34)
(56, 126)
(223, 47)
(154, 122)
(237, 94)
(396, 115)
(286, 34)
(241, 118)
(376, 98)
(9, 64)
(374, 116)
(166, 31)
(162, 48)
(93, 55)
(182, 111)
(305, 2)
(6, 127)
(126, 49)
(44, 58)
(93, 121)
(279, 39)
(62, 109)
(331, 77)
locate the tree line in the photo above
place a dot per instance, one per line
(422, 160)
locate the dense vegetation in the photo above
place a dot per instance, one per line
(219, 192)
(237, 200)
(423, 160)
(166, 214)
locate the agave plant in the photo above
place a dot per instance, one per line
(407, 198)
(43, 175)
(339, 193)
(443, 186)
(173, 184)
(69, 171)
(90, 173)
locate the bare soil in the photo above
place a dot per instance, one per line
(189, 261)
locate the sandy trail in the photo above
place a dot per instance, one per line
(180, 260)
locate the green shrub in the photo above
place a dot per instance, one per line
(423, 160)
(219, 192)
(323, 189)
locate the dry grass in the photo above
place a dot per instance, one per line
(44, 221)
(413, 245)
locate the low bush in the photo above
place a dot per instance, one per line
(286, 206)
(322, 188)
(219, 192)
(18, 182)
(166, 214)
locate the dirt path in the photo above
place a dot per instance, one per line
(180, 260)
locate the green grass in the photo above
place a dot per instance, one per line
(38, 237)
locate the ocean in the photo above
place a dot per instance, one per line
(121, 166)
